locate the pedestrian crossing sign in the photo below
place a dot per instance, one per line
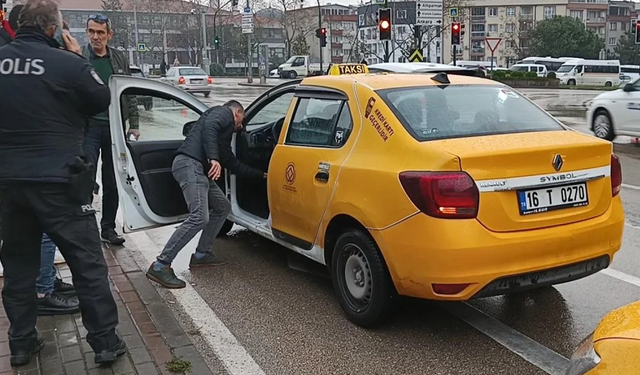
(142, 47)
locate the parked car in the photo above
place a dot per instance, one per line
(191, 79)
(145, 101)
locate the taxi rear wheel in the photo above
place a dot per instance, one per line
(361, 280)
(603, 126)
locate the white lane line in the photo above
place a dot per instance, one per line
(631, 225)
(632, 187)
(530, 350)
(233, 355)
(633, 280)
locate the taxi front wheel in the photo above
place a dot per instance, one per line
(362, 281)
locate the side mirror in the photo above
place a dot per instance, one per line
(187, 127)
(628, 87)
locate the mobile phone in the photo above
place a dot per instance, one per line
(57, 36)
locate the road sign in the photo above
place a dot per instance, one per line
(429, 12)
(492, 43)
(453, 12)
(247, 10)
(247, 21)
(416, 56)
(142, 47)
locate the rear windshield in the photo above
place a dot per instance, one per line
(430, 112)
(521, 68)
(192, 72)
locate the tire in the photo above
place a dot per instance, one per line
(571, 82)
(603, 125)
(362, 281)
(293, 74)
(607, 84)
(226, 228)
(207, 94)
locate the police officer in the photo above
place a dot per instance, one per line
(47, 93)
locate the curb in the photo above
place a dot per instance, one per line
(257, 84)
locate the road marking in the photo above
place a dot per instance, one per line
(622, 276)
(530, 350)
(632, 187)
(631, 225)
(233, 355)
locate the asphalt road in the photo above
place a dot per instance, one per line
(275, 313)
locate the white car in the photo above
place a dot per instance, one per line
(616, 112)
(192, 79)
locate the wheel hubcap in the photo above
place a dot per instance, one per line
(601, 126)
(358, 275)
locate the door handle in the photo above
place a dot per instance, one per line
(322, 176)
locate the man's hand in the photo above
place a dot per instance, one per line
(265, 175)
(71, 44)
(214, 171)
(135, 132)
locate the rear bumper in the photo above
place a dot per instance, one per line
(422, 251)
(196, 88)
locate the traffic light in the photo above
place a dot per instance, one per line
(384, 23)
(216, 42)
(455, 33)
(321, 33)
(638, 33)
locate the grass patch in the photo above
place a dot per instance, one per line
(179, 365)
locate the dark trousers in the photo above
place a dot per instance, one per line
(97, 138)
(27, 211)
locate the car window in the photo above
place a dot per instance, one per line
(271, 112)
(343, 127)
(457, 111)
(192, 72)
(314, 122)
(636, 85)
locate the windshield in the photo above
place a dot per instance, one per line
(566, 68)
(192, 72)
(136, 73)
(519, 68)
(291, 60)
(430, 113)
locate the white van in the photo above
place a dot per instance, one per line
(539, 69)
(552, 63)
(590, 72)
(629, 73)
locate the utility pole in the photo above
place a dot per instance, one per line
(135, 32)
(386, 42)
(250, 77)
(320, 27)
(204, 41)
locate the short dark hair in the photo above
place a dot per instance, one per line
(234, 104)
(14, 15)
(100, 19)
(40, 14)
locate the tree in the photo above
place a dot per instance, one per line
(113, 10)
(295, 22)
(564, 36)
(515, 40)
(627, 50)
(299, 46)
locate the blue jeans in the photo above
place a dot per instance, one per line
(48, 273)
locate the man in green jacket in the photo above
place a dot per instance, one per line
(107, 61)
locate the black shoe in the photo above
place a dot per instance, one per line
(64, 289)
(165, 277)
(23, 356)
(55, 304)
(206, 261)
(107, 357)
(112, 238)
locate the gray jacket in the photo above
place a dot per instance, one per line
(120, 65)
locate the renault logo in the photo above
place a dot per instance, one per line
(557, 162)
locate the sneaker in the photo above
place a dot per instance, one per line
(23, 356)
(165, 276)
(206, 261)
(112, 238)
(59, 259)
(55, 304)
(64, 289)
(109, 356)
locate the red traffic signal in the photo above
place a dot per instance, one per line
(638, 33)
(323, 31)
(455, 33)
(455, 27)
(384, 23)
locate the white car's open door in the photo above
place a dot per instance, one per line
(149, 195)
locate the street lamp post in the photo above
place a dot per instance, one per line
(319, 27)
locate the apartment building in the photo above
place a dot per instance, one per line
(620, 16)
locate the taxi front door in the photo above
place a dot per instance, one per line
(306, 164)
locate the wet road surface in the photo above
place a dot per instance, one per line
(281, 310)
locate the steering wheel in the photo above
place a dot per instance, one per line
(276, 129)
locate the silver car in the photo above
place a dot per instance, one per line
(190, 78)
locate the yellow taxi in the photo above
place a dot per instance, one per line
(613, 348)
(436, 185)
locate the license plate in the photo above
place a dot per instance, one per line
(552, 198)
(197, 81)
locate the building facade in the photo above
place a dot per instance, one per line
(619, 22)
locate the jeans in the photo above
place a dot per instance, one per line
(29, 210)
(97, 138)
(208, 209)
(48, 273)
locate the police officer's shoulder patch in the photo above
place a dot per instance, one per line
(96, 77)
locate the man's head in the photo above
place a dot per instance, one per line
(14, 15)
(42, 15)
(238, 113)
(99, 32)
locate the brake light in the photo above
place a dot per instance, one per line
(450, 195)
(210, 80)
(448, 289)
(616, 175)
(181, 81)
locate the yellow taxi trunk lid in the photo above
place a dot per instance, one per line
(509, 168)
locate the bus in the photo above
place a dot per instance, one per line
(552, 63)
(590, 72)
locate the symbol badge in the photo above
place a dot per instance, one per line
(557, 162)
(290, 173)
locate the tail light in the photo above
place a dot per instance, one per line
(616, 175)
(181, 81)
(450, 195)
(209, 80)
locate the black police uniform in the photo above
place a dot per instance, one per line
(46, 95)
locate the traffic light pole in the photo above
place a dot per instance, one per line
(454, 55)
(386, 42)
(320, 27)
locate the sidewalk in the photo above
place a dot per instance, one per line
(152, 334)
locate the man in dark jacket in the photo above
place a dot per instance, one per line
(107, 61)
(47, 93)
(197, 166)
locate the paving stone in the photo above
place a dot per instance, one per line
(102, 371)
(67, 339)
(76, 367)
(50, 350)
(189, 353)
(71, 353)
(49, 337)
(133, 341)
(65, 324)
(51, 366)
(5, 364)
(140, 355)
(147, 369)
(85, 347)
(168, 325)
(46, 323)
(123, 365)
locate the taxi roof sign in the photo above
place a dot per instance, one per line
(342, 69)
